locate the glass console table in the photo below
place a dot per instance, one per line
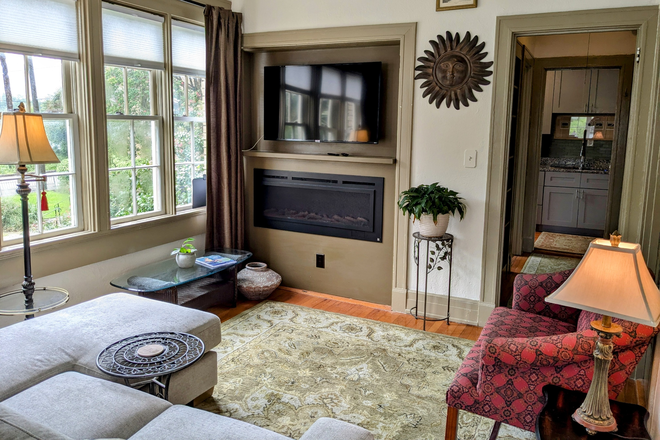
(196, 287)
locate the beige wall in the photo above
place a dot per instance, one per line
(580, 45)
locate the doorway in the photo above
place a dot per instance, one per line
(568, 137)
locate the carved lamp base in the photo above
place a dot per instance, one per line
(595, 413)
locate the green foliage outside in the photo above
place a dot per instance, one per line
(431, 199)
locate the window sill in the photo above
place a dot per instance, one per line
(65, 252)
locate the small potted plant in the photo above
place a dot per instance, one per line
(431, 205)
(186, 254)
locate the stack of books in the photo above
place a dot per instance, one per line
(214, 261)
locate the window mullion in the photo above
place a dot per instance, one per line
(125, 73)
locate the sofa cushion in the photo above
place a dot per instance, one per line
(332, 429)
(185, 423)
(110, 409)
(15, 426)
(71, 339)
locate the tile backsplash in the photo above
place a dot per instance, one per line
(571, 148)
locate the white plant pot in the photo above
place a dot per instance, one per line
(184, 261)
(429, 229)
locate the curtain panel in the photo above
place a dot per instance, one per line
(225, 205)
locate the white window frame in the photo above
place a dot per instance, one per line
(191, 120)
(157, 144)
(69, 114)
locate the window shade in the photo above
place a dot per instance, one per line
(188, 48)
(43, 27)
(132, 37)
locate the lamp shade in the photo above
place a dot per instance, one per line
(612, 281)
(23, 140)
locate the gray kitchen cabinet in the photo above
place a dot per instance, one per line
(604, 91)
(560, 178)
(547, 102)
(594, 181)
(571, 93)
(592, 209)
(560, 206)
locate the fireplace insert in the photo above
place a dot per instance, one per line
(324, 204)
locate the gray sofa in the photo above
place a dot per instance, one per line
(51, 389)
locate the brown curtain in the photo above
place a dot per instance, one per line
(225, 210)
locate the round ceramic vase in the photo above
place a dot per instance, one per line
(184, 261)
(257, 281)
(429, 229)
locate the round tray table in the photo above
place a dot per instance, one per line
(150, 358)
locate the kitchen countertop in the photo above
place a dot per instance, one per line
(572, 170)
(572, 165)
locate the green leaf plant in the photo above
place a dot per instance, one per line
(432, 199)
(186, 247)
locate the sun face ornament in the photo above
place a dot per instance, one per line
(453, 70)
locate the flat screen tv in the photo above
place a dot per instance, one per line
(337, 103)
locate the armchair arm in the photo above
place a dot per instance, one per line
(530, 291)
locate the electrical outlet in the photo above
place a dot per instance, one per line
(320, 261)
(470, 159)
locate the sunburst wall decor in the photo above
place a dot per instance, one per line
(453, 70)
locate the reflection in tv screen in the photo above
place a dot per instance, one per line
(322, 103)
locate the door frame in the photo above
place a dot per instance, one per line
(640, 196)
(531, 173)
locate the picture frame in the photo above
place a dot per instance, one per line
(448, 5)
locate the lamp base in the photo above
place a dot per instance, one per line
(594, 425)
(595, 413)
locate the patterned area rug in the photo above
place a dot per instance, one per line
(573, 244)
(541, 263)
(282, 366)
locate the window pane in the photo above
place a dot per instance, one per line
(119, 144)
(60, 201)
(145, 189)
(10, 205)
(199, 131)
(139, 100)
(114, 90)
(179, 97)
(58, 132)
(183, 185)
(200, 170)
(182, 142)
(121, 193)
(196, 93)
(144, 142)
(45, 76)
(7, 169)
(12, 67)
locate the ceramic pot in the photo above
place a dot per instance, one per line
(184, 261)
(429, 229)
(257, 281)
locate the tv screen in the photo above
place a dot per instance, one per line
(322, 103)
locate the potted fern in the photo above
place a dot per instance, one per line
(186, 254)
(431, 205)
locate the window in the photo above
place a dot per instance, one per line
(42, 83)
(189, 88)
(132, 78)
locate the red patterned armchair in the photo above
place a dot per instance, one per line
(522, 349)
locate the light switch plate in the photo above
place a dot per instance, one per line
(470, 159)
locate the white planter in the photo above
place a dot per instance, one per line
(185, 261)
(429, 229)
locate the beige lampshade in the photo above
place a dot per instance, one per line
(23, 140)
(612, 281)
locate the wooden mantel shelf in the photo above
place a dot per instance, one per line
(320, 157)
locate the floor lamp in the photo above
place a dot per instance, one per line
(612, 279)
(23, 141)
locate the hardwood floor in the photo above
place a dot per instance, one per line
(351, 307)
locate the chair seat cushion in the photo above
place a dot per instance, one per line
(110, 409)
(185, 423)
(503, 322)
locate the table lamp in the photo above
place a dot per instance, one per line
(23, 141)
(612, 279)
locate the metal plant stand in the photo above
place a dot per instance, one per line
(438, 249)
(150, 358)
